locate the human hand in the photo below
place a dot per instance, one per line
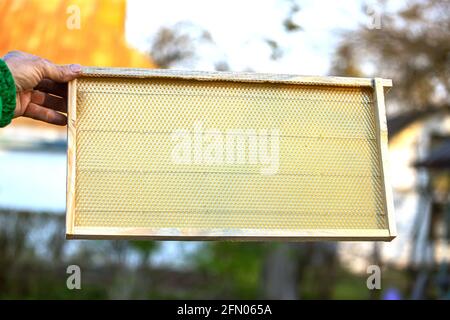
(41, 86)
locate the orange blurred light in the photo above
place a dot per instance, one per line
(47, 29)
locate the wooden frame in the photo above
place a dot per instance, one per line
(378, 85)
(71, 157)
(383, 145)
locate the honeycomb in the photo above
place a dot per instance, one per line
(251, 155)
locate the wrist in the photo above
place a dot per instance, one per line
(7, 95)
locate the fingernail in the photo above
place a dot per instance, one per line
(75, 68)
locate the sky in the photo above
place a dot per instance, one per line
(239, 29)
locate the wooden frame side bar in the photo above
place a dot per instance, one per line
(380, 114)
(71, 156)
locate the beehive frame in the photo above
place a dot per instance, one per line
(102, 146)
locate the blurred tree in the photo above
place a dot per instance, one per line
(289, 22)
(277, 52)
(345, 62)
(280, 273)
(177, 43)
(411, 46)
(237, 266)
(284, 265)
(290, 25)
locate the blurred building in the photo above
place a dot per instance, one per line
(420, 160)
(419, 151)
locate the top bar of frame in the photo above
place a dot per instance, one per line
(232, 76)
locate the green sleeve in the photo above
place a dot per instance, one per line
(7, 95)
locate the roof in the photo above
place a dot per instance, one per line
(401, 121)
(439, 157)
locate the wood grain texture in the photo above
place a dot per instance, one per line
(383, 145)
(232, 76)
(71, 156)
(234, 234)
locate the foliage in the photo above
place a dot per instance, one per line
(411, 47)
(177, 43)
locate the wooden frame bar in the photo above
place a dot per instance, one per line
(222, 234)
(383, 145)
(71, 157)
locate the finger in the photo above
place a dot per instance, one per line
(41, 113)
(60, 73)
(49, 101)
(53, 87)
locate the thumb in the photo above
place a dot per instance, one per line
(62, 73)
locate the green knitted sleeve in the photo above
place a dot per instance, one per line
(7, 95)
